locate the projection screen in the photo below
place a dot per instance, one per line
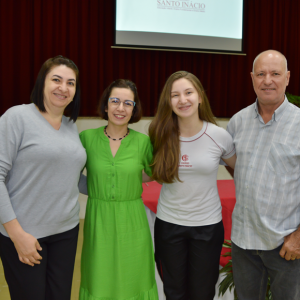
(195, 25)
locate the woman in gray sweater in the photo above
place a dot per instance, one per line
(41, 158)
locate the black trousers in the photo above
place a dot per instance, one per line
(188, 258)
(52, 279)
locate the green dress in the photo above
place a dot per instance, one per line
(117, 256)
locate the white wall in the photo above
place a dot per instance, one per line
(141, 126)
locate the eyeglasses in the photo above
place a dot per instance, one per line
(117, 102)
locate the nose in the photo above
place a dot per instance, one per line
(268, 79)
(63, 87)
(182, 99)
(121, 106)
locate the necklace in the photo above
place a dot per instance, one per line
(113, 138)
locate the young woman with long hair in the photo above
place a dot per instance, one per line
(187, 147)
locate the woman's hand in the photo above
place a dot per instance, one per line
(25, 244)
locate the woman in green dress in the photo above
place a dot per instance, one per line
(117, 256)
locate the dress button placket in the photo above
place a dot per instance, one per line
(112, 182)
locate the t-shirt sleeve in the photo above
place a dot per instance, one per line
(11, 138)
(226, 144)
(148, 157)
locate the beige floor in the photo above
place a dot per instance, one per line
(4, 293)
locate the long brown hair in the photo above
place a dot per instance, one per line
(164, 129)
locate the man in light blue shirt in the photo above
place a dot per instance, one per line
(265, 222)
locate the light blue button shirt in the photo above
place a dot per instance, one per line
(266, 176)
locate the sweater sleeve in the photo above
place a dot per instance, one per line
(10, 141)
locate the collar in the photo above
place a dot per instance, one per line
(277, 113)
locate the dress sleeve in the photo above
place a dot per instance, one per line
(148, 157)
(10, 141)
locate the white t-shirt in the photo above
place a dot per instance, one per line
(195, 201)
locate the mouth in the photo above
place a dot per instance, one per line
(184, 107)
(59, 96)
(120, 117)
(268, 90)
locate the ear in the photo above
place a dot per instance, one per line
(252, 76)
(106, 110)
(200, 100)
(288, 73)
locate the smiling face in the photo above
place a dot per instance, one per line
(120, 115)
(60, 88)
(184, 99)
(270, 78)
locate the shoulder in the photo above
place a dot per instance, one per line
(243, 113)
(139, 135)
(69, 123)
(216, 132)
(17, 116)
(293, 109)
(140, 139)
(91, 132)
(16, 111)
(87, 136)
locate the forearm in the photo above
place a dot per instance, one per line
(146, 178)
(13, 229)
(6, 210)
(230, 171)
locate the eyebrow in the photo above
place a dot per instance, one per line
(184, 90)
(62, 78)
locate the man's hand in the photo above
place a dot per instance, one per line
(291, 247)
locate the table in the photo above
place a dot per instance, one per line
(227, 195)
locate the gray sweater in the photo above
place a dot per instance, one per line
(39, 172)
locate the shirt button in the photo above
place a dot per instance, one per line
(113, 186)
(112, 164)
(113, 197)
(113, 175)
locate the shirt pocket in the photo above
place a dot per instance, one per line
(283, 159)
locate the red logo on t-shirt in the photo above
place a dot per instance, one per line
(185, 157)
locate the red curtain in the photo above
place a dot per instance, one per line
(31, 31)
